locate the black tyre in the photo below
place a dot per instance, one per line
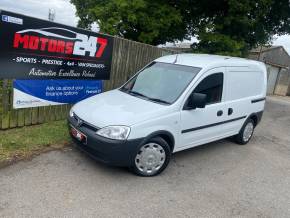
(245, 133)
(152, 157)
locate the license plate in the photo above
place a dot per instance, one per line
(78, 135)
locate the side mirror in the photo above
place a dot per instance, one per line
(196, 100)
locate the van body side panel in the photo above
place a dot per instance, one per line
(244, 84)
(246, 92)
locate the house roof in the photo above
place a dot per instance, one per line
(273, 55)
(266, 48)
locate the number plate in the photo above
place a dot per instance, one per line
(78, 135)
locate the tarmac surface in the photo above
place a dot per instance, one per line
(220, 179)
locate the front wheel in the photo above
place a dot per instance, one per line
(246, 132)
(152, 157)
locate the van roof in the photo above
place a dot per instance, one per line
(210, 61)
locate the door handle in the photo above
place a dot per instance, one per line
(230, 111)
(219, 113)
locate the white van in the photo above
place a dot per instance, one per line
(174, 103)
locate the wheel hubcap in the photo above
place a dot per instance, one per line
(150, 158)
(248, 131)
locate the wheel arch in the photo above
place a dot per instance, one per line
(166, 135)
(256, 117)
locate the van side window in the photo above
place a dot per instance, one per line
(212, 86)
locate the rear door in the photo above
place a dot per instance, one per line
(203, 125)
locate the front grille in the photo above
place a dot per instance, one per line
(85, 124)
(89, 126)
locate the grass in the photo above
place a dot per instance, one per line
(23, 143)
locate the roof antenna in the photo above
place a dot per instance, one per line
(175, 59)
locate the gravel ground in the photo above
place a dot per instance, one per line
(220, 179)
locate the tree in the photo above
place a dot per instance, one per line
(148, 21)
(237, 26)
(229, 27)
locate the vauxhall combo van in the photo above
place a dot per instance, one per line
(174, 103)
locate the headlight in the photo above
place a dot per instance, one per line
(71, 113)
(114, 132)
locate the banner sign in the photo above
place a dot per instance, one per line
(35, 93)
(31, 48)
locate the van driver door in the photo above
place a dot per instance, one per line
(202, 125)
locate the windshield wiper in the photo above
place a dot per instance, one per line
(137, 93)
(158, 100)
(151, 99)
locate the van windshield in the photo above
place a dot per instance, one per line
(161, 82)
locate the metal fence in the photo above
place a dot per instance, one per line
(128, 57)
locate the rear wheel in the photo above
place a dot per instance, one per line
(152, 157)
(246, 132)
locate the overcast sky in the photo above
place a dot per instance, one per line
(65, 13)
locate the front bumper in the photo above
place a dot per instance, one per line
(109, 151)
